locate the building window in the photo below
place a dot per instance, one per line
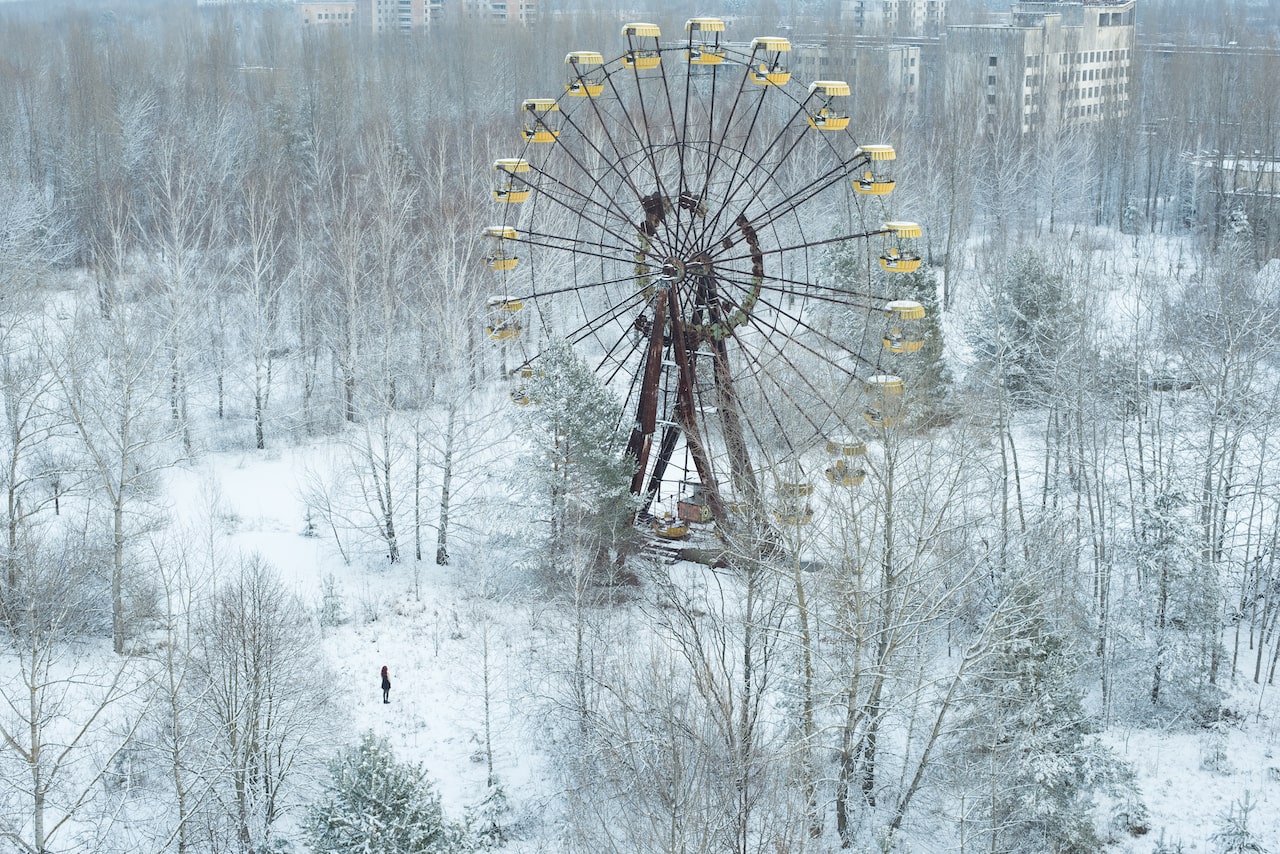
(991, 61)
(991, 80)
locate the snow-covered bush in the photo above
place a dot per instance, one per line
(374, 803)
(1233, 835)
(333, 606)
(486, 819)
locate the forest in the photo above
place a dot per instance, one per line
(261, 425)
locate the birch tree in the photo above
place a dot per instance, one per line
(64, 717)
(266, 703)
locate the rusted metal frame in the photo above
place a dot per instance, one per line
(638, 444)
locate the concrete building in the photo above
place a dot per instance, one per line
(327, 14)
(519, 11)
(893, 17)
(1052, 64)
(388, 16)
(891, 70)
(382, 16)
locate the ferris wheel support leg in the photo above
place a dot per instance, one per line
(641, 438)
(744, 481)
(686, 410)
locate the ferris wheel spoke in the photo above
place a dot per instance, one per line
(827, 295)
(799, 323)
(740, 149)
(802, 246)
(817, 333)
(578, 212)
(716, 150)
(591, 326)
(619, 362)
(813, 189)
(621, 157)
(683, 186)
(645, 138)
(613, 163)
(754, 371)
(833, 294)
(576, 194)
(842, 168)
(748, 177)
(536, 294)
(556, 243)
(804, 410)
(789, 203)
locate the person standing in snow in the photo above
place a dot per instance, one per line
(386, 685)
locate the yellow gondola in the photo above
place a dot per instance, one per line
(842, 474)
(704, 41)
(520, 394)
(905, 333)
(767, 65)
(504, 318)
(846, 468)
(541, 119)
(900, 256)
(884, 405)
(873, 181)
(500, 257)
(668, 527)
(506, 187)
(830, 113)
(639, 55)
(586, 74)
(793, 503)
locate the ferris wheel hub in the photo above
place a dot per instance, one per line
(673, 270)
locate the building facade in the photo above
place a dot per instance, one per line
(327, 14)
(891, 70)
(519, 11)
(1054, 64)
(893, 17)
(389, 16)
(383, 16)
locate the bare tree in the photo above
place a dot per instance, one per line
(107, 377)
(266, 703)
(33, 421)
(63, 715)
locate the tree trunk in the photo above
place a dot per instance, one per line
(446, 481)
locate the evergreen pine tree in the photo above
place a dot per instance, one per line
(374, 803)
(925, 372)
(1233, 835)
(578, 464)
(927, 377)
(1024, 327)
(1023, 732)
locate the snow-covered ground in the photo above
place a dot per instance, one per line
(434, 643)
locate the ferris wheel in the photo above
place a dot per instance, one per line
(711, 238)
